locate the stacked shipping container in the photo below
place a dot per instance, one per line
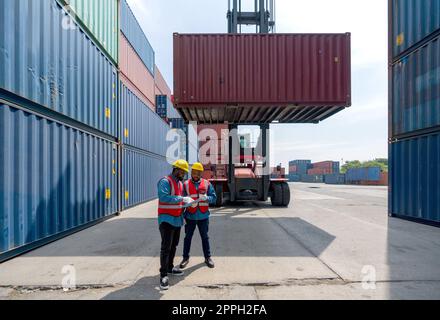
(59, 112)
(414, 56)
(143, 131)
(72, 132)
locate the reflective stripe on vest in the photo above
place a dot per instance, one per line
(171, 209)
(191, 190)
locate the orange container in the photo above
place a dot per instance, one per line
(132, 67)
(162, 87)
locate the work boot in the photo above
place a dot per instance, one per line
(210, 263)
(164, 285)
(176, 272)
(184, 263)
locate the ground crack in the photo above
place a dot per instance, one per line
(34, 289)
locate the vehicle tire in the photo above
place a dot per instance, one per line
(277, 195)
(219, 192)
(286, 194)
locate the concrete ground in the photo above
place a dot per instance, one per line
(333, 242)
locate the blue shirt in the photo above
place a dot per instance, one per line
(212, 199)
(164, 195)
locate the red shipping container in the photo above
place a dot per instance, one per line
(136, 72)
(319, 171)
(261, 78)
(324, 164)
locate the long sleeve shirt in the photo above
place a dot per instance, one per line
(212, 199)
(164, 195)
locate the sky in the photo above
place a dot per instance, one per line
(357, 133)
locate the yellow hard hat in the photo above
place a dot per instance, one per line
(198, 166)
(181, 164)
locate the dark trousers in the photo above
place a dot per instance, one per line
(190, 227)
(170, 239)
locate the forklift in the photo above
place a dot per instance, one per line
(248, 176)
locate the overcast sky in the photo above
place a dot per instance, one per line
(359, 132)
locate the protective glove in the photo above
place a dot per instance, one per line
(203, 197)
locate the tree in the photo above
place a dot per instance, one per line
(381, 163)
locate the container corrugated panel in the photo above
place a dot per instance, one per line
(133, 32)
(58, 68)
(416, 90)
(412, 21)
(141, 172)
(133, 68)
(414, 178)
(101, 19)
(261, 78)
(53, 178)
(141, 127)
(161, 84)
(363, 174)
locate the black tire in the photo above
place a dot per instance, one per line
(286, 194)
(219, 192)
(277, 195)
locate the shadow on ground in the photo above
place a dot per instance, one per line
(234, 232)
(147, 288)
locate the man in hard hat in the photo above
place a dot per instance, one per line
(203, 193)
(170, 212)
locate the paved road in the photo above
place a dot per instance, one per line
(333, 242)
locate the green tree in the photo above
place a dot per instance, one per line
(381, 163)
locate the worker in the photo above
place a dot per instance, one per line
(198, 214)
(170, 217)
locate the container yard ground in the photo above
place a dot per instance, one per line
(316, 249)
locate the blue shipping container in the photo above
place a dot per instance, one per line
(46, 60)
(415, 178)
(53, 179)
(165, 109)
(178, 124)
(135, 35)
(334, 178)
(294, 177)
(416, 90)
(412, 21)
(363, 174)
(336, 167)
(141, 127)
(312, 178)
(140, 174)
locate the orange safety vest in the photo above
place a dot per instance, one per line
(192, 192)
(174, 210)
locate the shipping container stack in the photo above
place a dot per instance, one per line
(59, 119)
(298, 168)
(80, 136)
(144, 132)
(414, 122)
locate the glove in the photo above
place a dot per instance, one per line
(188, 200)
(194, 205)
(203, 197)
